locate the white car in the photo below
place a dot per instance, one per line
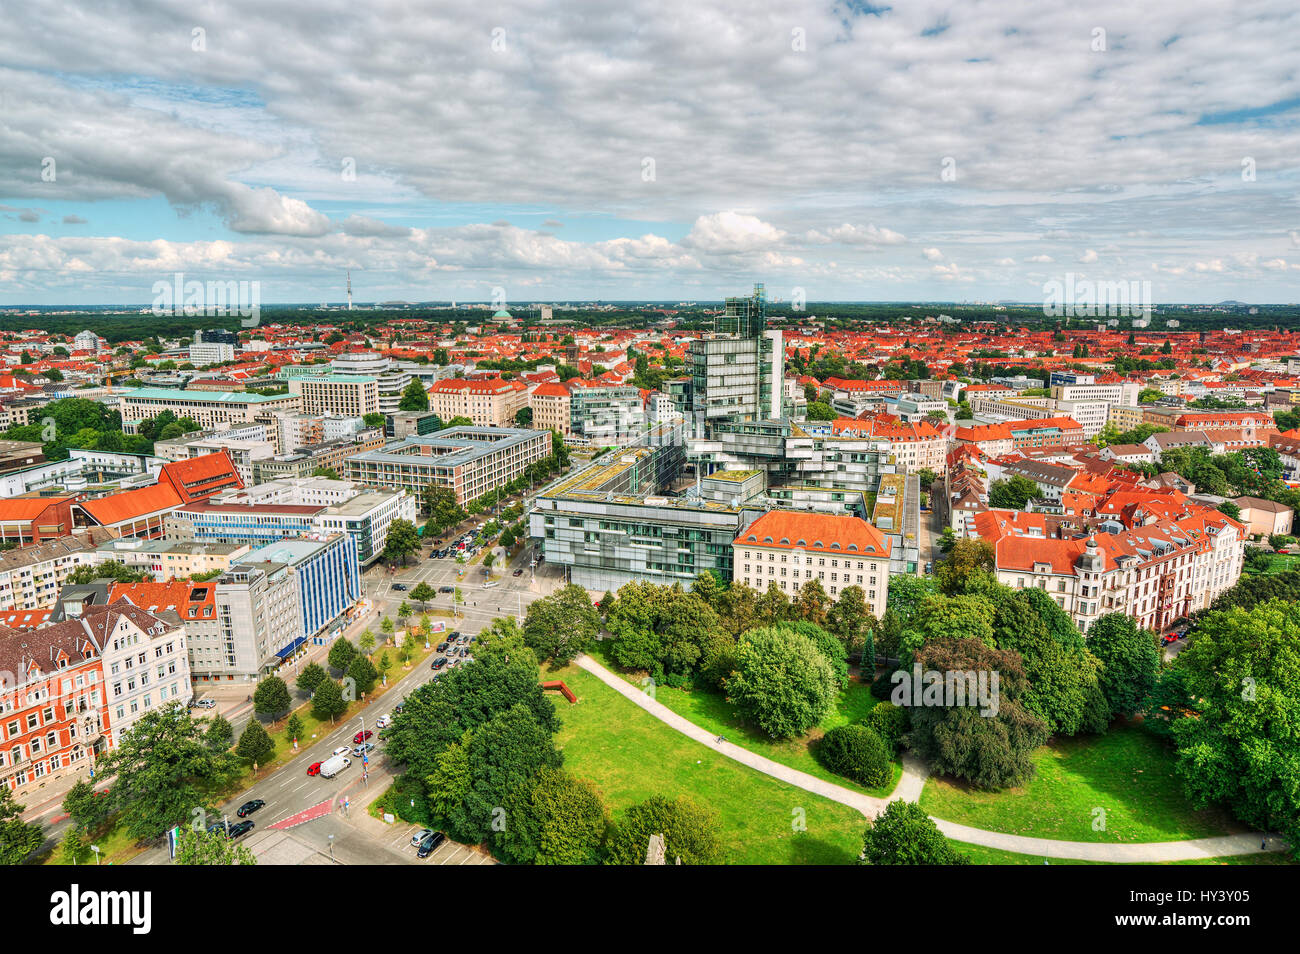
(384, 721)
(491, 583)
(420, 835)
(342, 750)
(205, 704)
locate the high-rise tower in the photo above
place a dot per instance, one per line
(349, 289)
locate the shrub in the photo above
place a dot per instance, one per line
(889, 722)
(855, 752)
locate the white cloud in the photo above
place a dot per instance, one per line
(933, 254)
(726, 233)
(1088, 257)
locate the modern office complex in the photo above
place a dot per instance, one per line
(326, 574)
(208, 409)
(346, 395)
(472, 461)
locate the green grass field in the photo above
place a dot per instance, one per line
(630, 755)
(1126, 772)
(711, 711)
(979, 855)
(1277, 563)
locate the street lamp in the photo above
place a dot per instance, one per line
(331, 839)
(95, 849)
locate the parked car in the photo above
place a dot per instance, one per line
(314, 768)
(205, 703)
(438, 663)
(362, 736)
(453, 635)
(248, 808)
(397, 709)
(519, 572)
(442, 647)
(446, 589)
(400, 586)
(419, 836)
(491, 583)
(239, 830)
(430, 843)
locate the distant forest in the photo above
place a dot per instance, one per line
(118, 326)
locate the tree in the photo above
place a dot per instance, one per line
(820, 411)
(561, 821)
(386, 627)
(404, 611)
(385, 664)
(293, 731)
(327, 702)
(811, 602)
(312, 675)
(219, 735)
(210, 848)
(524, 417)
(87, 807)
(1130, 660)
(374, 419)
(366, 641)
(18, 838)
(162, 770)
(689, 831)
(442, 506)
(1230, 509)
(856, 752)
(110, 569)
(414, 398)
(363, 673)
(988, 746)
(73, 847)
(782, 682)
(560, 627)
(271, 697)
(904, 835)
(1013, 493)
(773, 605)
(255, 746)
(341, 654)
(422, 594)
(968, 566)
(1237, 739)
(402, 540)
(327, 472)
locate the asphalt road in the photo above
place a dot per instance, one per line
(289, 790)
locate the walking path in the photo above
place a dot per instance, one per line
(909, 789)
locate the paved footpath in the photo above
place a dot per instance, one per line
(909, 789)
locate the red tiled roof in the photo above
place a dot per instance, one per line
(791, 530)
(132, 504)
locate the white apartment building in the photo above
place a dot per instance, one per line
(30, 577)
(146, 662)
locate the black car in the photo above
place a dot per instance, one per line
(453, 636)
(397, 709)
(219, 826)
(446, 589)
(431, 841)
(400, 586)
(438, 663)
(519, 572)
(462, 639)
(442, 647)
(248, 808)
(243, 828)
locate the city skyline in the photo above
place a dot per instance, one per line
(856, 152)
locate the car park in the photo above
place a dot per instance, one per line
(362, 736)
(239, 830)
(314, 768)
(430, 844)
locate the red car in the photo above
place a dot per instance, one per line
(313, 769)
(362, 736)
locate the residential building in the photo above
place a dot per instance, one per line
(487, 403)
(208, 409)
(551, 407)
(1264, 517)
(345, 395)
(30, 576)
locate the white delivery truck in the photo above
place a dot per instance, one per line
(333, 765)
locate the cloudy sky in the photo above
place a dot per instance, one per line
(674, 149)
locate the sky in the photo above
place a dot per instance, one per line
(671, 150)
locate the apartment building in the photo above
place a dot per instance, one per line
(53, 712)
(181, 601)
(488, 403)
(790, 548)
(551, 408)
(346, 395)
(166, 559)
(915, 446)
(30, 577)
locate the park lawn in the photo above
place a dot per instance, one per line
(980, 855)
(711, 711)
(1278, 563)
(1126, 772)
(630, 755)
(115, 847)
